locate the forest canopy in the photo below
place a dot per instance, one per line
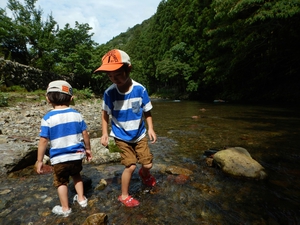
(246, 50)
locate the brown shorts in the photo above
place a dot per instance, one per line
(133, 153)
(62, 172)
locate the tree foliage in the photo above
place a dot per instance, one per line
(234, 49)
(29, 40)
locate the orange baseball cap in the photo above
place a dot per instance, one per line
(113, 60)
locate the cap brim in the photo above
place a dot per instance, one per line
(112, 67)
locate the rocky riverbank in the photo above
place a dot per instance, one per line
(19, 133)
(27, 198)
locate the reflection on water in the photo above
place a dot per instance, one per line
(270, 134)
(185, 130)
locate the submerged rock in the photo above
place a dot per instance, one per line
(96, 219)
(101, 185)
(178, 170)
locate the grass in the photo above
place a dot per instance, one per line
(11, 96)
(113, 147)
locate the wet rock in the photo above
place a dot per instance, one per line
(178, 179)
(238, 162)
(5, 212)
(178, 170)
(181, 179)
(96, 219)
(5, 192)
(209, 161)
(101, 186)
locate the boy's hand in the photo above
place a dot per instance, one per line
(88, 154)
(104, 140)
(152, 136)
(39, 167)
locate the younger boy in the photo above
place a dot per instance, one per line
(127, 102)
(66, 130)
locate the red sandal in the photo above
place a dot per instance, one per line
(129, 201)
(149, 180)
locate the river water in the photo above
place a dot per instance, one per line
(185, 130)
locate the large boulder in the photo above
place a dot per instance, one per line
(17, 154)
(101, 154)
(238, 162)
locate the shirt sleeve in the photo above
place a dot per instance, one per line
(44, 131)
(147, 106)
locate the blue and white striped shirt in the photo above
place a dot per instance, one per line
(64, 127)
(126, 110)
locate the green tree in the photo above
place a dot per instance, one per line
(27, 37)
(73, 52)
(252, 46)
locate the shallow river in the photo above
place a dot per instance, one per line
(185, 130)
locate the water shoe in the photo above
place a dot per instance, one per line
(58, 211)
(82, 203)
(147, 180)
(129, 201)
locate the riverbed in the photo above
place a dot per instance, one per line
(185, 130)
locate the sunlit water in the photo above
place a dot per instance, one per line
(185, 130)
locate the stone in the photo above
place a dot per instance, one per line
(238, 162)
(101, 185)
(178, 170)
(96, 219)
(102, 154)
(181, 179)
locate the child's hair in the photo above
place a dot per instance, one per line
(126, 67)
(59, 98)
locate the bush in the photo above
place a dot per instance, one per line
(16, 88)
(113, 147)
(84, 94)
(3, 100)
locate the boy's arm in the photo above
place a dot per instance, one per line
(149, 121)
(105, 120)
(41, 152)
(87, 144)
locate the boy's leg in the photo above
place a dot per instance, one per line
(146, 169)
(128, 159)
(125, 180)
(145, 158)
(60, 181)
(62, 191)
(78, 184)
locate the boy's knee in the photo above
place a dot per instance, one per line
(131, 168)
(148, 166)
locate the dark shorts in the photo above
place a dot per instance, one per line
(62, 172)
(132, 153)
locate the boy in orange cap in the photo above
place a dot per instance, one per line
(128, 103)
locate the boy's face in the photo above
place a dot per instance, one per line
(118, 77)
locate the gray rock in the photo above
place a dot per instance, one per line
(238, 162)
(102, 154)
(20, 127)
(16, 156)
